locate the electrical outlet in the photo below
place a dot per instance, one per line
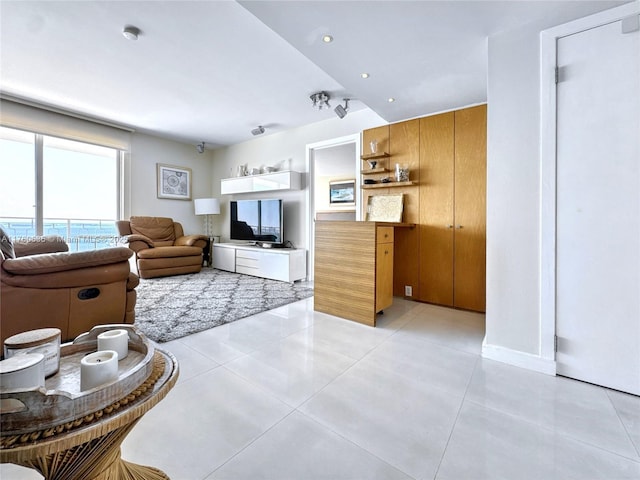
(408, 291)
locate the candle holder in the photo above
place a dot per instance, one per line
(98, 368)
(116, 340)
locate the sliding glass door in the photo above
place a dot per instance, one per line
(18, 190)
(58, 186)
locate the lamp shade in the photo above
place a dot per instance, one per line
(207, 206)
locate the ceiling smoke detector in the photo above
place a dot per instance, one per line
(259, 130)
(130, 32)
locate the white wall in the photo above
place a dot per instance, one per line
(146, 152)
(513, 183)
(286, 150)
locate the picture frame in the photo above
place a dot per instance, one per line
(173, 182)
(342, 192)
(385, 208)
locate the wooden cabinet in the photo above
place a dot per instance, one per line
(353, 271)
(286, 180)
(384, 268)
(453, 208)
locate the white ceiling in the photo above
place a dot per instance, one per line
(214, 70)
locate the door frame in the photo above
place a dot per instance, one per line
(548, 164)
(310, 191)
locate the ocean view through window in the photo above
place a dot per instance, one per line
(59, 187)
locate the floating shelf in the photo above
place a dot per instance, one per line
(287, 180)
(373, 156)
(388, 185)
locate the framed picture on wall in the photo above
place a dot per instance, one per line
(342, 192)
(174, 182)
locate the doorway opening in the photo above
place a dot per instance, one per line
(330, 161)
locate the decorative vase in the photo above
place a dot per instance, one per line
(374, 146)
(402, 173)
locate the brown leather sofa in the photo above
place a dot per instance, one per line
(161, 247)
(44, 285)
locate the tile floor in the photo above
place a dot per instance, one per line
(295, 394)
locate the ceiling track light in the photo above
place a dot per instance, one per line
(340, 110)
(200, 147)
(259, 130)
(130, 32)
(320, 100)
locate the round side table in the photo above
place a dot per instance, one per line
(91, 451)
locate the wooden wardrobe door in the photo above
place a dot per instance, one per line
(436, 208)
(470, 208)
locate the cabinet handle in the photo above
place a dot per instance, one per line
(458, 227)
(449, 226)
(386, 252)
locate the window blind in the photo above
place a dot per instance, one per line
(15, 114)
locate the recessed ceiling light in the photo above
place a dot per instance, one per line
(327, 38)
(391, 99)
(130, 32)
(364, 75)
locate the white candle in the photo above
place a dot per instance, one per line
(117, 340)
(22, 371)
(98, 368)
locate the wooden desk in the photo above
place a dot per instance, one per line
(91, 451)
(353, 268)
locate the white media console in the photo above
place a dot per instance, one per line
(284, 264)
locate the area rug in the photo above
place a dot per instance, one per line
(172, 307)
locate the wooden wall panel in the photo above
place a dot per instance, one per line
(435, 258)
(404, 143)
(436, 208)
(381, 134)
(470, 208)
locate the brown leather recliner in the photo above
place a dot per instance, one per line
(44, 285)
(161, 247)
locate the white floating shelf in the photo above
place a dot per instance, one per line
(287, 180)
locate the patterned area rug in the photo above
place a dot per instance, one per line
(172, 307)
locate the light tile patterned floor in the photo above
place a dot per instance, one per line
(293, 394)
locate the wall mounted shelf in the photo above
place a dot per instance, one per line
(373, 156)
(266, 182)
(388, 185)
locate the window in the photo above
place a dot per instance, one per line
(59, 186)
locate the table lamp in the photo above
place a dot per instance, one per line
(207, 207)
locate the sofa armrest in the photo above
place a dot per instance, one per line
(137, 242)
(60, 262)
(191, 241)
(39, 245)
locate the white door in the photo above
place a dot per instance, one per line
(598, 207)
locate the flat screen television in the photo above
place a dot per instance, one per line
(259, 221)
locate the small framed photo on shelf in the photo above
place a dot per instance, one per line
(174, 182)
(342, 192)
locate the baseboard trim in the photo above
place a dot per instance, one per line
(518, 359)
